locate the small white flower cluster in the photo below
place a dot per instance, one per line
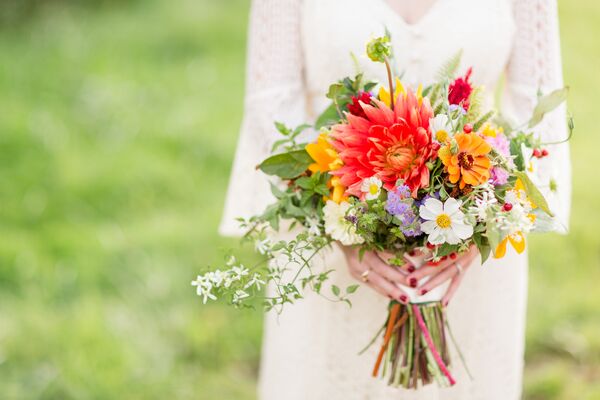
(237, 278)
(519, 217)
(486, 204)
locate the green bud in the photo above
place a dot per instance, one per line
(553, 185)
(379, 49)
(453, 146)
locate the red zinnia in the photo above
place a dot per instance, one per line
(390, 144)
(460, 90)
(355, 108)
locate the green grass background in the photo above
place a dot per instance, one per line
(118, 122)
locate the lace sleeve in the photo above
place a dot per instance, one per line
(535, 65)
(274, 92)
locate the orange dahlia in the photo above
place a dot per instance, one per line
(389, 144)
(470, 164)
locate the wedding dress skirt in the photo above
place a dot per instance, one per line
(296, 49)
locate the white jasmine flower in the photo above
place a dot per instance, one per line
(239, 272)
(371, 187)
(239, 295)
(338, 226)
(204, 288)
(262, 246)
(444, 222)
(255, 281)
(441, 129)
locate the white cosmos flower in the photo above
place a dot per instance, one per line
(441, 129)
(371, 187)
(338, 226)
(444, 222)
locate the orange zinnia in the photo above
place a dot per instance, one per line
(470, 164)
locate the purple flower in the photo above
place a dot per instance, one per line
(498, 176)
(400, 204)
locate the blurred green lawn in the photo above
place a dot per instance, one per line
(117, 128)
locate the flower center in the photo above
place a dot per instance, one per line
(443, 221)
(465, 160)
(441, 135)
(373, 189)
(399, 157)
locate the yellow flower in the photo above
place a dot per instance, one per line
(384, 95)
(489, 130)
(517, 241)
(337, 190)
(324, 155)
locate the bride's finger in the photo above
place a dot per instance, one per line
(454, 284)
(391, 273)
(386, 288)
(438, 279)
(414, 277)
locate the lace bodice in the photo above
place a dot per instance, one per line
(296, 48)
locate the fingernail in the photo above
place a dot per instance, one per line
(412, 253)
(445, 303)
(423, 291)
(453, 256)
(411, 268)
(404, 299)
(413, 282)
(444, 258)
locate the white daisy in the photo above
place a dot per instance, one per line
(444, 222)
(371, 187)
(441, 129)
(338, 226)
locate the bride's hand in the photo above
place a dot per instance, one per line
(377, 274)
(451, 268)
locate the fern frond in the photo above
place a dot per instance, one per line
(486, 117)
(475, 103)
(449, 69)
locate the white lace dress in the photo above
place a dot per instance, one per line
(296, 49)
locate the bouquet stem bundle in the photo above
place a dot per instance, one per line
(415, 346)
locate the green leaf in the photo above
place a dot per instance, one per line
(352, 288)
(329, 117)
(335, 290)
(533, 192)
(483, 246)
(284, 130)
(546, 104)
(335, 90)
(286, 165)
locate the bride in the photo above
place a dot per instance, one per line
(296, 48)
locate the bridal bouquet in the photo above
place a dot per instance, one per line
(425, 172)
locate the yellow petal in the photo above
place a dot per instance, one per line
(518, 242)
(501, 249)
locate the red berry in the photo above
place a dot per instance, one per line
(537, 153)
(430, 246)
(453, 256)
(544, 153)
(507, 206)
(468, 128)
